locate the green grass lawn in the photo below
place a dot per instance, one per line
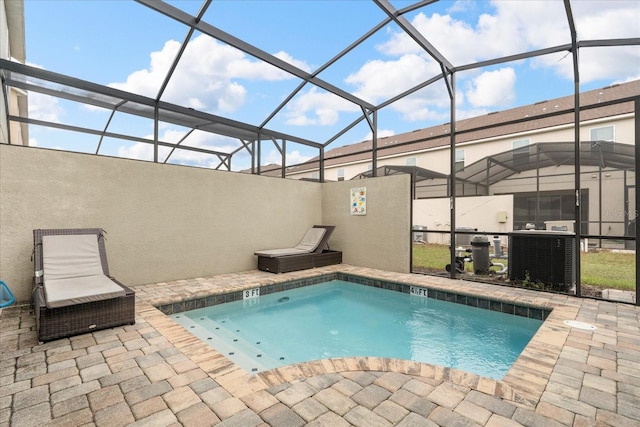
(608, 269)
(604, 269)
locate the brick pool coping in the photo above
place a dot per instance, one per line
(524, 383)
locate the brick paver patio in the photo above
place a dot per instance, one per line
(155, 373)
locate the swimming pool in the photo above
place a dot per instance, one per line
(342, 319)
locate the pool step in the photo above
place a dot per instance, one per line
(251, 356)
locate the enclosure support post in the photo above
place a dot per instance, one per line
(537, 214)
(321, 164)
(156, 115)
(600, 203)
(637, 206)
(253, 155)
(374, 144)
(452, 161)
(284, 159)
(259, 154)
(576, 137)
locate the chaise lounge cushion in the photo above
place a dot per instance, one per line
(73, 272)
(308, 244)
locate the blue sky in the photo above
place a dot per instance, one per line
(126, 45)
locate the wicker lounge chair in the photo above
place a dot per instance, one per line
(73, 292)
(311, 252)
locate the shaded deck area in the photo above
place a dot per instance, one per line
(156, 373)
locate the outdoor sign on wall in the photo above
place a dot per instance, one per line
(359, 201)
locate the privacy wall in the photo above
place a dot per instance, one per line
(381, 238)
(167, 222)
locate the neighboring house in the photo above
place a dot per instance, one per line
(525, 154)
(606, 114)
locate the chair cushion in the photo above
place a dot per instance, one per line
(272, 253)
(73, 271)
(309, 243)
(80, 290)
(311, 239)
(70, 256)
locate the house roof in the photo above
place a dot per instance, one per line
(609, 101)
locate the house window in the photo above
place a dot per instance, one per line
(604, 133)
(315, 175)
(520, 152)
(519, 143)
(341, 174)
(459, 160)
(411, 161)
(369, 166)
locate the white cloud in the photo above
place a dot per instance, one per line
(291, 60)
(416, 108)
(507, 28)
(143, 151)
(527, 25)
(593, 21)
(380, 80)
(516, 27)
(294, 157)
(466, 113)
(628, 79)
(458, 41)
(382, 133)
(596, 64)
(492, 88)
(207, 75)
(461, 6)
(315, 107)
(44, 107)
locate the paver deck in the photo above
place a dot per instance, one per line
(155, 373)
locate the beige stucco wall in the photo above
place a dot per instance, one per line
(380, 239)
(163, 222)
(167, 222)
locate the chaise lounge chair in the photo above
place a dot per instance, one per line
(74, 293)
(311, 252)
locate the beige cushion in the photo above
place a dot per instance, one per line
(79, 290)
(73, 272)
(70, 256)
(309, 243)
(271, 253)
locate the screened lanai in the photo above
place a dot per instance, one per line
(247, 137)
(133, 121)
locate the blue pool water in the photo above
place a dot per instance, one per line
(342, 319)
